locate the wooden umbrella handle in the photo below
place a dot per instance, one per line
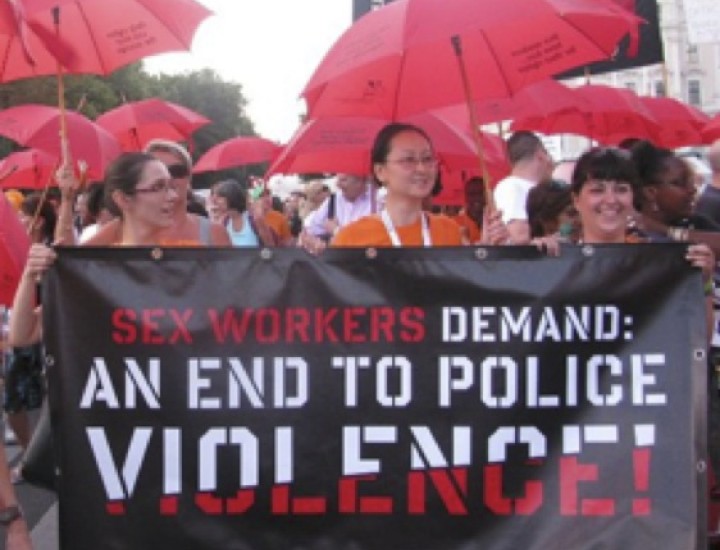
(472, 111)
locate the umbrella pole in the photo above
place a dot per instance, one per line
(472, 111)
(64, 145)
(41, 202)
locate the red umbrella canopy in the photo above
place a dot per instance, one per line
(399, 60)
(680, 124)
(38, 126)
(22, 53)
(711, 131)
(609, 116)
(101, 36)
(31, 169)
(137, 122)
(342, 144)
(14, 245)
(541, 98)
(237, 151)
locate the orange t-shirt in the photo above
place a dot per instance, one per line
(370, 231)
(467, 223)
(279, 225)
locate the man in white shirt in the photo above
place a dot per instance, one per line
(356, 197)
(531, 164)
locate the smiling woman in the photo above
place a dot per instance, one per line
(404, 162)
(604, 185)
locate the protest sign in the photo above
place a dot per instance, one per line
(404, 399)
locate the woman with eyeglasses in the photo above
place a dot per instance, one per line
(404, 162)
(139, 189)
(189, 229)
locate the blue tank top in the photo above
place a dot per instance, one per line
(246, 237)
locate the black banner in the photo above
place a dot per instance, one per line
(647, 49)
(399, 399)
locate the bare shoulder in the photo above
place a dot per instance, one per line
(107, 235)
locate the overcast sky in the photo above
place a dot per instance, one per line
(271, 47)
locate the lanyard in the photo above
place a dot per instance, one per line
(395, 240)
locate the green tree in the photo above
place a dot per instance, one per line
(203, 91)
(220, 101)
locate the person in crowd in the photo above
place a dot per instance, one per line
(273, 218)
(246, 228)
(551, 211)
(188, 230)
(605, 186)
(316, 192)
(17, 534)
(667, 209)
(708, 203)
(24, 387)
(470, 218)
(404, 162)
(141, 192)
(531, 164)
(666, 203)
(97, 210)
(291, 209)
(355, 197)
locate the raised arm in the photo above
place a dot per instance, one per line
(25, 321)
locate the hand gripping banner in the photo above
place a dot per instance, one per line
(387, 399)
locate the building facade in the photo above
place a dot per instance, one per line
(690, 72)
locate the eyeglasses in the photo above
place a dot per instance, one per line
(410, 163)
(178, 171)
(160, 186)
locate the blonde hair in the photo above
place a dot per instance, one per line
(171, 147)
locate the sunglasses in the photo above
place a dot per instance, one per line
(178, 171)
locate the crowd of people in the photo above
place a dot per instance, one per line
(640, 193)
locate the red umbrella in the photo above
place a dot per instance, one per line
(237, 151)
(610, 115)
(343, 145)
(680, 123)
(137, 122)
(711, 131)
(31, 169)
(38, 126)
(14, 245)
(540, 98)
(398, 60)
(22, 53)
(99, 37)
(89, 36)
